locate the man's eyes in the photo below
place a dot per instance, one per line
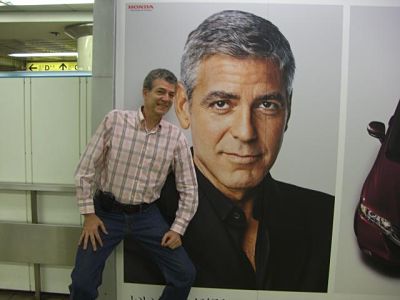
(162, 92)
(220, 104)
(272, 105)
(264, 106)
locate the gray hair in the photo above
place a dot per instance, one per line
(238, 34)
(163, 74)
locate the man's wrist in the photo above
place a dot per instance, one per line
(89, 215)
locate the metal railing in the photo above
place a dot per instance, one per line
(34, 242)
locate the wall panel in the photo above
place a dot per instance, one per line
(43, 127)
(55, 129)
(12, 131)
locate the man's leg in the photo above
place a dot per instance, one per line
(148, 228)
(87, 273)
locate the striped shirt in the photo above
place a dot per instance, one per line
(124, 158)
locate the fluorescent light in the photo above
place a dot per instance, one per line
(64, 54)
(44, 2)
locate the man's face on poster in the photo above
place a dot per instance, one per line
(238, 114)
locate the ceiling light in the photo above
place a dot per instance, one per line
(44, 2)
(63, 54)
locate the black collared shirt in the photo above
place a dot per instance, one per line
(226, 225)
(293, 239)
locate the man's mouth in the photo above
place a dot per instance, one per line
(164, 106)
(241, 158)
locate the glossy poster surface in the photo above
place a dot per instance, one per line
(284, 243)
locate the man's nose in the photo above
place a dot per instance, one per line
(166, 98)
(243, 127)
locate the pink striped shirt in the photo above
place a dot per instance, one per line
(124, 158)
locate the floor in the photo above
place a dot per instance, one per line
(18, 295)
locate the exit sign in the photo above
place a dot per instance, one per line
(52, 66)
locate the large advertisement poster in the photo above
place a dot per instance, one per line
(275, 100)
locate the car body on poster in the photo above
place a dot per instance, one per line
(377, 218)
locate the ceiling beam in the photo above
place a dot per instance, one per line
(46, 16)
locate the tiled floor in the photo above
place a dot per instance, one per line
(18, 295)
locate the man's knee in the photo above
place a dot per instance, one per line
(188, 274)
(84, 284)
(81, 290)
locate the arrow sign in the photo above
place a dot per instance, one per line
(63, 66)
(51, 66)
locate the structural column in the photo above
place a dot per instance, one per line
(83, 33)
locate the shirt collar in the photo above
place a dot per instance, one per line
(222, 204)
(142, 122)
(224, 207)
(140, 114)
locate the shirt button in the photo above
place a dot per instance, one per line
(236, 215)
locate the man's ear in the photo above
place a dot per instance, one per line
(144, 92)
(289, 108)
(182, 106)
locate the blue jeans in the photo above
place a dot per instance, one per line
(148, 227)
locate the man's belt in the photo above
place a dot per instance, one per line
(110, 204)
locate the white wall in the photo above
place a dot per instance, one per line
(43, 130)
(373, 93)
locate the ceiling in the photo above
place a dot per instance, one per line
(39, 29)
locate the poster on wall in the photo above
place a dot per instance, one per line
(263, 102)
(249, 75)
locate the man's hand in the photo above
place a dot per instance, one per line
(91, 232)
(171, 239)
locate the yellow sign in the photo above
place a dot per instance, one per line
(52, 66)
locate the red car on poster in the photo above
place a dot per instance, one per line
(377, 218)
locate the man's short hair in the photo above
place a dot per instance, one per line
(238, 34)
(163, 74)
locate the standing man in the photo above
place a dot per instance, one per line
(237, 71)
(126, 163)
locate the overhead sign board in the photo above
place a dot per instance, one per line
(52, 66)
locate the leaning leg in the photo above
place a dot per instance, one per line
(87, 273)
(148, 228)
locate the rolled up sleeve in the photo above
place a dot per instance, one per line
(92, 160)
(186, 185)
